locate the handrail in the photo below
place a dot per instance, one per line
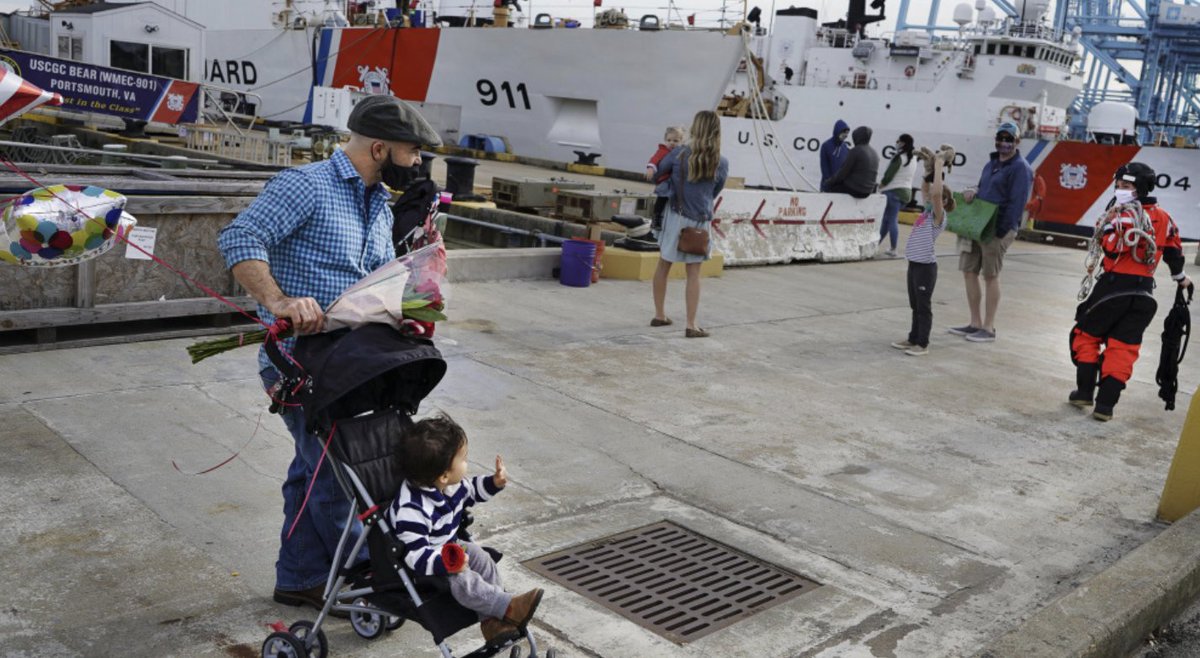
(121, 154)
(541, 237)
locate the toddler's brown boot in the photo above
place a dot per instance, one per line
(521, 608)
(497, 632)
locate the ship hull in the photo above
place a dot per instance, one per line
(1077, 176)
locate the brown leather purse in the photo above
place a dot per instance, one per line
(692, 240)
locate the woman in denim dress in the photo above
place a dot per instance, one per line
(697, 175)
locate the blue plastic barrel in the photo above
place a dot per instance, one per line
(576, 266)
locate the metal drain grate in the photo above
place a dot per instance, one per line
(671, 580)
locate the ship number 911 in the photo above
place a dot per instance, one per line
(489, 96)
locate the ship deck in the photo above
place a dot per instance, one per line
(939, 500)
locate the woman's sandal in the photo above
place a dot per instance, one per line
(695, 333)
(660, 323)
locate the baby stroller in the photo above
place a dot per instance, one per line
(360, 388)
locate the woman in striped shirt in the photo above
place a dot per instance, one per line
(922, 261)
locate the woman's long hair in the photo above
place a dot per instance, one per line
(705, 145)
(907, 148)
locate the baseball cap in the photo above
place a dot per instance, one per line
(1010, 128)
(389, 118)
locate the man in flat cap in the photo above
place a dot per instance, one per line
(313, 232)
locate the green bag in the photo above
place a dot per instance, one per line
(975, 221)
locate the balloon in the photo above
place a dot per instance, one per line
(62, 225)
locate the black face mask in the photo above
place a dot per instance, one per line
(395, 176)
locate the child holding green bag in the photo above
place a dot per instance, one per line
(922, 261)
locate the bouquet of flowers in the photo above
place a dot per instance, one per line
(408, 293)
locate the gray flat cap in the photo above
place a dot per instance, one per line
(389, 118)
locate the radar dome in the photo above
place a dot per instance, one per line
(1112, 118)
(963, 14)
(980, 4)
(987, 16)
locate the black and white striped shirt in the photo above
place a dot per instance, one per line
(424, 519)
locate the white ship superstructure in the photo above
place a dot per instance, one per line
(953, 91)
(607, 94)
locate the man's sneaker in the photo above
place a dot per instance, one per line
(965, 330)
(890, 253)
(903, 344)
(917, 350)
(982, 336)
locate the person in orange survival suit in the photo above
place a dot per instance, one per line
(1110, 322)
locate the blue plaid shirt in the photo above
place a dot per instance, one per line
(318, 227)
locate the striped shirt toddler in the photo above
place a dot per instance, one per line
(925, 232)
(425, 519)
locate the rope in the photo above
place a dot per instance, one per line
(1141, 233)
(760, 114)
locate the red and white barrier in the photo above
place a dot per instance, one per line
(757, 227)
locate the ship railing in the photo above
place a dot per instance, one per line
(229, 106)
(238, 144)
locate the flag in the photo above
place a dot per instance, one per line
(18, 96)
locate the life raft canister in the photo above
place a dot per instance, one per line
(910, 71)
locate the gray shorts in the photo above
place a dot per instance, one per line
(985, 258)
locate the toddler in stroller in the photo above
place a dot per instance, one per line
(426, 516)
(359, 388)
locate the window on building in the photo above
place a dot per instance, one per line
(70, 48)
(1004, 49)
(129, 56)
(145, 58)
(169, 62)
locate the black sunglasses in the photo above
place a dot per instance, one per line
(1005, 137)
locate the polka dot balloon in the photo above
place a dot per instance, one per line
(62, 225)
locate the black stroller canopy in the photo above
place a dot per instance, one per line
(373, 367)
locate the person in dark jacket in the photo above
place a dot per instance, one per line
(859, 172)
(1006, 181)
(834, 152)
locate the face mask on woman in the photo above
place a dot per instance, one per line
(1125, 196)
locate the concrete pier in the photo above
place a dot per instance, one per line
(941, 500)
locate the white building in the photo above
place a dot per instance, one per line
(142, 37)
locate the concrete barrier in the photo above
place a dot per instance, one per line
(757, 227)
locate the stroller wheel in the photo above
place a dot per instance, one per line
(515, 652)
(319, 648)
(283, 645)
(369, 625)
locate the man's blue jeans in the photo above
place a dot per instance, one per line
(305, 558)
(890, 226)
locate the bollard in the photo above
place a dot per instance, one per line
(460, 176)
(1181, 493)
(425, 169)
(112, 160)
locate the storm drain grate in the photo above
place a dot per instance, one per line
(671, 580)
